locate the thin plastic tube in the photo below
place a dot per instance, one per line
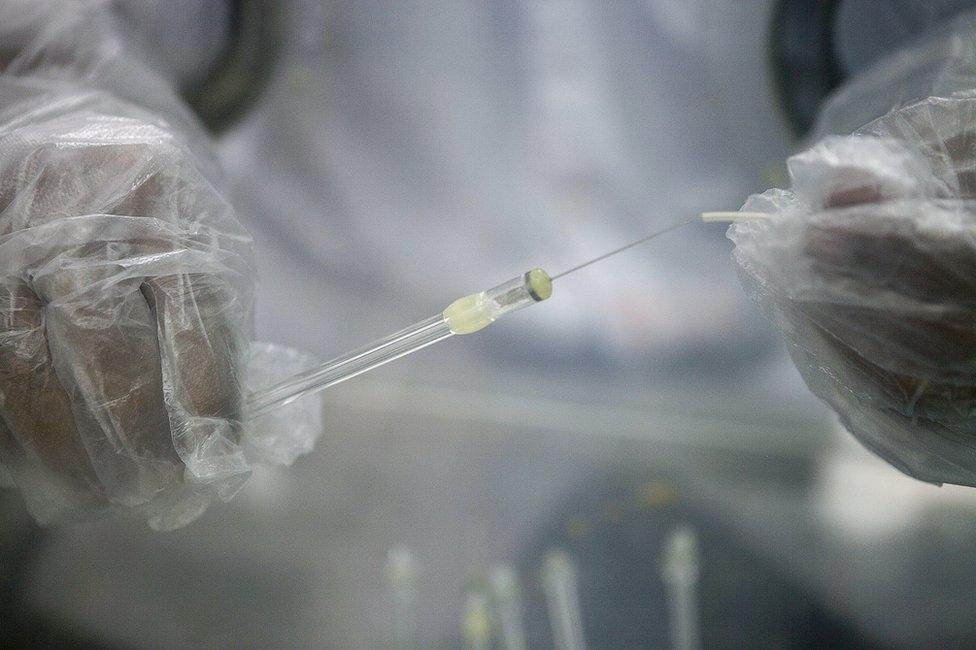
(508, 608)
(476, 621)
(401, 569)
(411, 339)
(559, 584)
(680, 571)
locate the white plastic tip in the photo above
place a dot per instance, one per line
(709, 217)
(681, 556)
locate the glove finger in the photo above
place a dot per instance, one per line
(197, 320)
(944, 131)
(102, 339)
(902, 295)
(66, 178)
(38, 438)
(882, 248)
(848, 171)
(901, 419)
(201, 352)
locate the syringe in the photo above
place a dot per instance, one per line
(463, 316)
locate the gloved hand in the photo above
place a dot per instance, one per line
(125, 280)
(868, 266)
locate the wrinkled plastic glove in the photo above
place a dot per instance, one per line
(125, 280)
(868, 267)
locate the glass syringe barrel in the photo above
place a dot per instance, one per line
(408, 340)
(464, 316)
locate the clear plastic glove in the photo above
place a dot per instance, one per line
(125, 280)
(868, 267)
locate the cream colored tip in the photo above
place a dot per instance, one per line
(468, 314)
(539, 283)
(709, 217)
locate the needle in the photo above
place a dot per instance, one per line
(632, 244)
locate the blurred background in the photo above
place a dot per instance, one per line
(633, 464)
